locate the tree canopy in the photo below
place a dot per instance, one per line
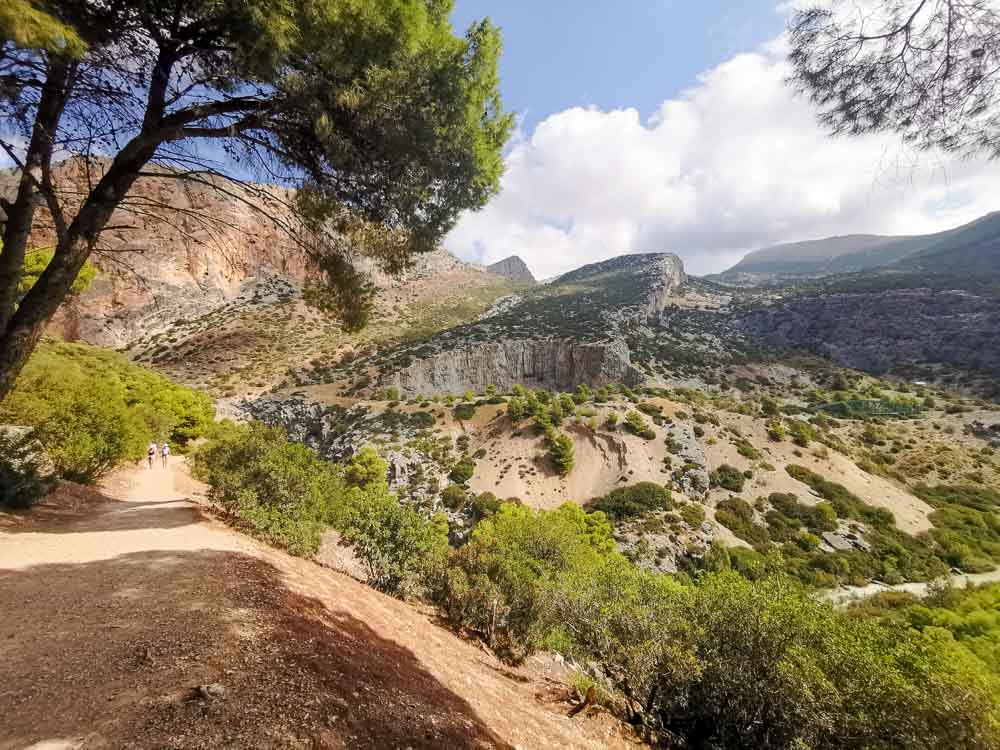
(924, 68)
(387, 123)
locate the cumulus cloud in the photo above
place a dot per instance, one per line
(735, 163)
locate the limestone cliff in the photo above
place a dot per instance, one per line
(512, 268)
(557, 336)
(174, 250)
(556, 364)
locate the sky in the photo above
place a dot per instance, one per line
(667, 126)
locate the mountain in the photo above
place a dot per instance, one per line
(514, 269)
(971, 248)
(204, 286)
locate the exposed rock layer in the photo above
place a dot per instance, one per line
(876, 332)
(560, 364)
(512, 268)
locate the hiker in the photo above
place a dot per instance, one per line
(151, 454)
(165, 452)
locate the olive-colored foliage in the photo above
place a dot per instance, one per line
(35, 263)
(562, 453)
(454, 496)
(285, 494)
(92, 409)
(636, 424)
(366, 469)
(496, 585)
(774, 668)
(736, 515)
(463, 471)
(634, 500)
(25, 24)
(728, 478)
(970, 616)
(23, 479)
(281, 492)
(464, 412)
(398, 545)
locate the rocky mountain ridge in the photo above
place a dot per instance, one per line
(972, 248)
(514, 269)
(560, 335)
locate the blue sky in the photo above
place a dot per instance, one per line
(668, 126)
(630, 53)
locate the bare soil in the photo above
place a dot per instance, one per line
(117, 606)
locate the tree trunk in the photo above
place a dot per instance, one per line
(21, 335)
(21, 212)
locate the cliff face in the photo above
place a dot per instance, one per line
(875, 332)
(574, 330)
(176, 250)
(514, 269)
(556, 364)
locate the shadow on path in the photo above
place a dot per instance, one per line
(111, 650)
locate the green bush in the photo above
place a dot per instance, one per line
(485, 505)
(562, 453)
(92, 409)
(463, 471)
(465, 412)
(736, 515)
(454, 496)
(499, 584)
(635, 424)
(279, 491)
(285, 494)
(398, 545)
(728, 478)
(693, 514)
(23, 481)
(634, 500)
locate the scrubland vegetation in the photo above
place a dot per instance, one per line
(710, 660)
(92, 409)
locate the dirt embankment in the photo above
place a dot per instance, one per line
(118, 606)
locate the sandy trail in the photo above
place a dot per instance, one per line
(114, 607)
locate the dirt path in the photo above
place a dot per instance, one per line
(115, 607)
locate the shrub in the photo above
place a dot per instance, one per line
(399, 546)
(693, 515)
(728, 478)
(736, 515)
(637, 425)
(485, 505)
(745, 448)
(465, 411)
(279, 491)
(463, 471)
(454, 497)
(92, 409)
(23, 481)
(562, 453)
(634, 500)
(499, 584)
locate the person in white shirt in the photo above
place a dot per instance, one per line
(165, 452)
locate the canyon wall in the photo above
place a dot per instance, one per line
(878, 331)
(555, 364)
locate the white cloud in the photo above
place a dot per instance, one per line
(735, 163)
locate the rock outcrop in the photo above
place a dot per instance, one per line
(876, 332)
(512, 268)
(176, 250)
(556, 336)
(555, 364)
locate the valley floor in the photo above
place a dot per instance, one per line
(116, 607)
